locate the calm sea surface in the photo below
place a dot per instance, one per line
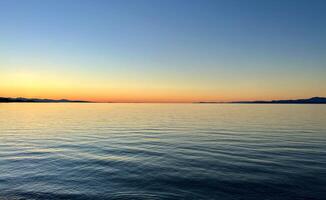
(162, 151)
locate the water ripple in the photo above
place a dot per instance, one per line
(155, 151)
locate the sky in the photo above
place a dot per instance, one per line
(163, 50)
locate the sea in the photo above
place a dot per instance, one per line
(162, 151)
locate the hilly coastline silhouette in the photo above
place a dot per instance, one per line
(35, 100)
(313, 100)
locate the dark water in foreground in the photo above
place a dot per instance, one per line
(162, 151)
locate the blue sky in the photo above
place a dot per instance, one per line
(196, 50)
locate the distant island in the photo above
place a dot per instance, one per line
(35, 100)
(313, 100)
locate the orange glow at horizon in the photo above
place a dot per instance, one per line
(125, 95)
(91, 88)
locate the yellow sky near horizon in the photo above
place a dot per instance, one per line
(77, 87)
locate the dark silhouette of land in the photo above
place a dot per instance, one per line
(313, 100)
(35, 100)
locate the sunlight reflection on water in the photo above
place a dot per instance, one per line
(162, 151)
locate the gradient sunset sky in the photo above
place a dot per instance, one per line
(163, 50)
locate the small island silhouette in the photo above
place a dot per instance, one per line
(35, 100)
(313, 100)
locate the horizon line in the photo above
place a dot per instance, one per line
(65, 100)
